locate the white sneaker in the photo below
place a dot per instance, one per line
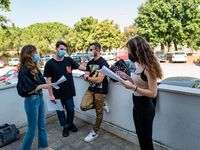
(91, 136)
(105, 107)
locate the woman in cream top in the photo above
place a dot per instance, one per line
(144, 85)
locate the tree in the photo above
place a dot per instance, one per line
(107, 34)
(83, 29)
(129, 32)
(4, 6)
(44, 35)
(169, 21)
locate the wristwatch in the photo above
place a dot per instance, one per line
(86, 78)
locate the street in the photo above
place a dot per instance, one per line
(169, 69)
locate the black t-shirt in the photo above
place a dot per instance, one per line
(26, 82)
(92, 67)
(55, 70)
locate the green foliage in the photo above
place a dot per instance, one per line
(44, 35)
(169, 21)
(88, 30)
(4, 6)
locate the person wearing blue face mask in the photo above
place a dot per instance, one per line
(30, 85)
(54, 69)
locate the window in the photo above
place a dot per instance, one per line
(9, 73)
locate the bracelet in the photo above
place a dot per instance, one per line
(136, 88)
(35, 91)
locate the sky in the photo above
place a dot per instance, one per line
(26, 12)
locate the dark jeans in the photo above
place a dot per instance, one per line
(68, 104)
(143, 115)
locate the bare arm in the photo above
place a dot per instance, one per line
(52, 97)
(82, 68)
(98, 79)
(39, 87)
(152, 87)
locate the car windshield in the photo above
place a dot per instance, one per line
(76, 57)
(179, 53)
(46, 59)
(130, 63)
(16, 59)
(9, 73)
(159, 53)
(84, 57)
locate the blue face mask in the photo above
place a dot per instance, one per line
(61, 53)
(36, 57)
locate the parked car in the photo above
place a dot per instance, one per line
(9, 74)
(182, 81)
(77, 54)
(42, 61)
(121, 55)
(161, 56)
(13, 62)
(1, 64)
(49, 56)
(132, 65)
(82, 60)
(108, 55)
(179, 56)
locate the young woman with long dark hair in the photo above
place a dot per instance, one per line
(30, 85)
(144, 85)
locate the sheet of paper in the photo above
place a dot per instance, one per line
(51, 106)
(61, 80)
(111, 74)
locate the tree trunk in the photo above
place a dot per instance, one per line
(175, 45)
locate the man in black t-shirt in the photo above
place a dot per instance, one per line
(94, 97)
(55, 68)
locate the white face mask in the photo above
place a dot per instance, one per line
(90, 53)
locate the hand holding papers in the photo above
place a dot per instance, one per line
(111, 74)
(61, 80)
(51, 106)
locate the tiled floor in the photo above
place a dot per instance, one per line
(75, 141)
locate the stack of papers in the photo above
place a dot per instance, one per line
(110, 74)
(51, 106)
(61, 80)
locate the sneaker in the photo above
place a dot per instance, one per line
(65, 132)
(105, 107)
(91, 136)
(73, 128)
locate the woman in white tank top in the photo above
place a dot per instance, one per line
(144, 84)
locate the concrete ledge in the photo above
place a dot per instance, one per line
(123, 133)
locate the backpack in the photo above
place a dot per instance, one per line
(120, 65)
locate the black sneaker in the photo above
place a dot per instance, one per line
(65, 132)
(73, 128)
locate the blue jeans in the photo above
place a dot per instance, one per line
(35, 112)
(68, 104)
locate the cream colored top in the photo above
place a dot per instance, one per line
(138, 81)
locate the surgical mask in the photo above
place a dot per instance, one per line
(131, 57)
(36, 57)
(90, 53)
(61, 53)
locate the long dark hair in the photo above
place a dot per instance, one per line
(26, 60)
(143, 54)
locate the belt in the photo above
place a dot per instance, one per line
(39, 92)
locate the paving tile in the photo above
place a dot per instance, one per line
(75, 140)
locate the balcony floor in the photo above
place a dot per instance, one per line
(75, 141)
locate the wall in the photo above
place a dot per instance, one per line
(176, 124)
